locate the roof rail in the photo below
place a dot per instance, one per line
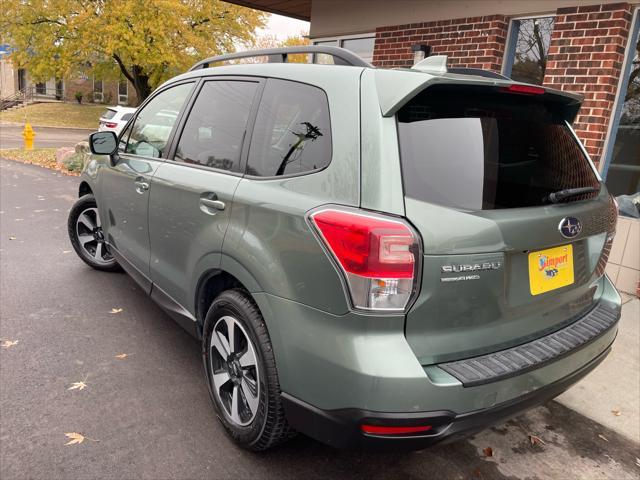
(340, 56)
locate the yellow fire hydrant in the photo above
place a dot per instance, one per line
(28, 134)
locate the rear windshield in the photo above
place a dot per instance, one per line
(484, 151)
(108, 114)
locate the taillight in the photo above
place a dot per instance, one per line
(378, 255)
(111, 125)
(524, 89)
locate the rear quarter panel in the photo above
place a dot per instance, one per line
(269, 245)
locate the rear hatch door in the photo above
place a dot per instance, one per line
(507, 258)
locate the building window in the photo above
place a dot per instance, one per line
(621, 168)
(98, 90)
(41, 88)
(526, 54)
(361, 45)
(123, 91)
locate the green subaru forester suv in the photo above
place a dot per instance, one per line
(379, 259)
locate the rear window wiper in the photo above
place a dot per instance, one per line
(560, 195)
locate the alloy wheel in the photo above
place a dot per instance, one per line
(236, 379)
(91, 237)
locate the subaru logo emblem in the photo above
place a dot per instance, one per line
(570, 227)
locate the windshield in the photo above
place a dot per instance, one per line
(483, 151)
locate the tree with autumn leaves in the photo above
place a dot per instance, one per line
(147, 41)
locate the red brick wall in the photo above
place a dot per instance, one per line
(475, 42)
(586, 55)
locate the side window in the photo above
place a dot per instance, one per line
(153, 124)
(292, 133)
(214, 132)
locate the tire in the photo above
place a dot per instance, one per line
(85, 233)
(265, 426)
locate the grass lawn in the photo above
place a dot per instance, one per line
(45, 157)
(56, 115)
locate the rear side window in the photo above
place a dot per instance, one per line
(484, 151)
(126, 117)
(292, 134)
(108, 114)
(216, 126)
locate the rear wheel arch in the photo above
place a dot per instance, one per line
(210, 285)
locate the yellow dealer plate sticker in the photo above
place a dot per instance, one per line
(550, 269)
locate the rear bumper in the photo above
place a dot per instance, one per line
(341, 428)
(338, 371)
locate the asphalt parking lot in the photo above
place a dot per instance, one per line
(148, 414)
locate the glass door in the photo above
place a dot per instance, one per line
(622, 164)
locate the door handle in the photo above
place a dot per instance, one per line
(141, 185)
(215, 204)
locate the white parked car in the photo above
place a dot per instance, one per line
(115, 118)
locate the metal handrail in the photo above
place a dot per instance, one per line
(340, 56)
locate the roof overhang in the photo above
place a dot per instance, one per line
(300, 9)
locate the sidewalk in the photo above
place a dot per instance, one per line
(610, 395)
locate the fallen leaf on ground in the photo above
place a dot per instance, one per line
(603, 437)
(77, 438)
(9, 343)
(77, 386)
(66, 251)
(536, 440)
(12, 238)
(122, 356)
(638, 461)
(115, 310)
(617, 413)
(488, 451)
(476, 473)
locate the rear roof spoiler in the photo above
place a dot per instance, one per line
(397, 87)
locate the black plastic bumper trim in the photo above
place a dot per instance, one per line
(529, 356)
(341, 428)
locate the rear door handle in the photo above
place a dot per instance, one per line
(141, 185)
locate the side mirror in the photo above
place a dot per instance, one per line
(103, 143)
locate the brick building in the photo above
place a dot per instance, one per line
(93, 90)
(586, 46)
